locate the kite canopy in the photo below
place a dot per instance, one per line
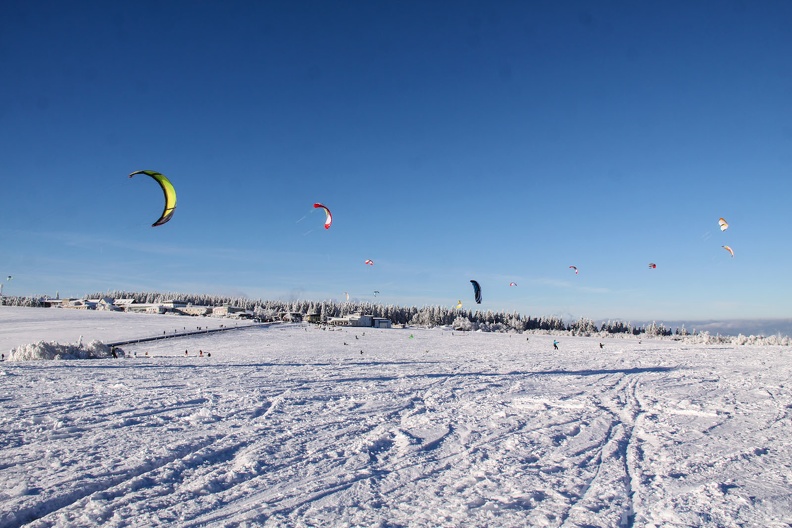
(652, 265)
(376, 292)
(730, 250)
(574, 268)
(329, 218)
(168, 190)
(512, 284)
(369, 262)
(459, 304)
(476, 291)
(723, 224)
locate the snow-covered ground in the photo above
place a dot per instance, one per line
(290, 425)
(20, 326)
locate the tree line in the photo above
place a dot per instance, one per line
(426, 316)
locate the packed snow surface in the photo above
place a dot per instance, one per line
(291, 425)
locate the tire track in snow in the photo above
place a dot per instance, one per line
(617, 456)
(578, 503)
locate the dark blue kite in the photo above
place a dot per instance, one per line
(476, 291)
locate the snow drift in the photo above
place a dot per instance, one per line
(53, 350)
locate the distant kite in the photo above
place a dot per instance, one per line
(723, 224)
(574, 268)
(168, 190)
(376, 292)
(369, 262)
(459, 304)
(476, 291)
(730, 250)
(652, 265)
(329, 217)
(512, 284)
(9, 277)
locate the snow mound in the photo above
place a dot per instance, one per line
(53, 350)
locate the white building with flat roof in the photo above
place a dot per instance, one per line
(360, 320)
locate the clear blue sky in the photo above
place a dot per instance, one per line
(497, 141)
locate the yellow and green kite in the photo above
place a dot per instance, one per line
(168, 190)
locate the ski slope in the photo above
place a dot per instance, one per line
(291, 425)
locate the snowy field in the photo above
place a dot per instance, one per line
(20, 326)
(289, 425)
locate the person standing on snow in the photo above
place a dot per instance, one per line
(555, 344)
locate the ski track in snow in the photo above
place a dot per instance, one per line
(292, 426)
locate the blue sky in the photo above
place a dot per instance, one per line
(453, 141)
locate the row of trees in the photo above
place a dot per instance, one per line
(428, 316)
